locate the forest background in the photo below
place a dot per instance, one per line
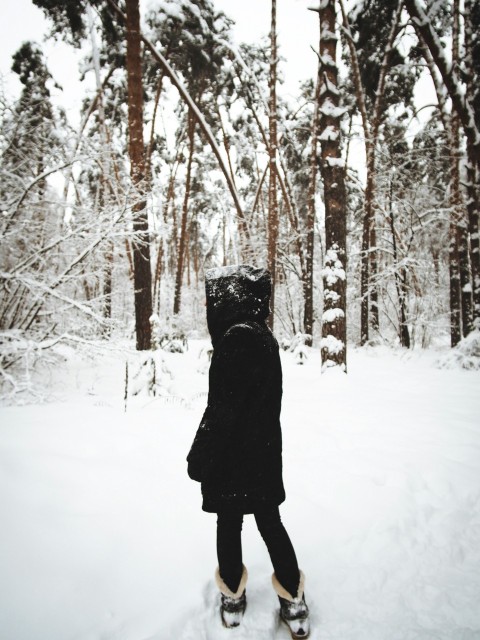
(187, 152)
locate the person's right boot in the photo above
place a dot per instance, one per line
(293, 609)
(232, 605)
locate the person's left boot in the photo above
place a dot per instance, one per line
(293, 609)
(232, 604)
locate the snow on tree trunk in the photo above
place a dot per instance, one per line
(333, 343)
(141, 244)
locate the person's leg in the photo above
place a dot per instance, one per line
(229, 548)
(280, 548)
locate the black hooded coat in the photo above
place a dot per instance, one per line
(237, 451)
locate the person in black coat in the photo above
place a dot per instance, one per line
(237, 451)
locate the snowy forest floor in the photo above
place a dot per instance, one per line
(102, 536)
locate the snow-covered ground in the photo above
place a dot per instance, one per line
(102, 536)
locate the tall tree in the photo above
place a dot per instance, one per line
(31, 147)
(70, 19)
(373, 54)
(310, 221)
(458, 254)
(36, 124)
(459, 277)
(334, 335)
(472, 73)
(182, 245)
(463, 95)
(141, 242)
(272, 154)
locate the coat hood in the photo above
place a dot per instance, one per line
(234, 294)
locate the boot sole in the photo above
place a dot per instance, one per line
(295, 636)
(232, 626)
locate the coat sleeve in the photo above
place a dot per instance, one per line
(235, 369)
(199, 450)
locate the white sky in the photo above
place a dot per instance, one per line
(297, 33)
(297, 27)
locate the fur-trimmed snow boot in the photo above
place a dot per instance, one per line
(232, 605)
(293, 610)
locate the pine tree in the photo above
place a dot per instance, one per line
(31, 148)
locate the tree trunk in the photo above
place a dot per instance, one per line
(107, 285)
(141, 244)
(457, 306)
(472, 68)
(369, 191)
(307, 271)
(152, 125)
(473, 208)
(450, 124)
(104, 180)
(272, 152)
(458, 211)
(400, 280)
(183, 227)
(334, 340)
(157, 278)
(454, 277)
(365, 259)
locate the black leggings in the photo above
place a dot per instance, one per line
(229, 548)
